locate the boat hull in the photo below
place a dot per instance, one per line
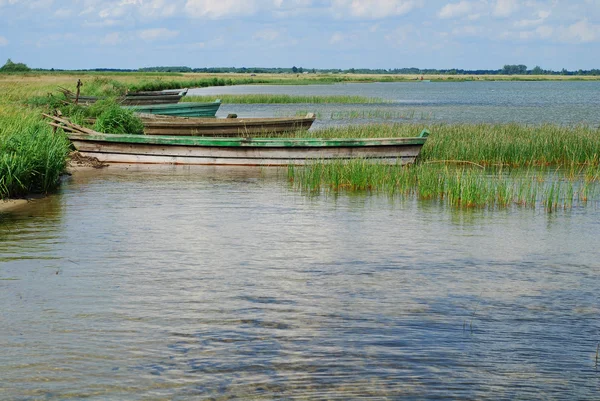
(235, 127)
(186, 109)
(242, 151)
(137, 99)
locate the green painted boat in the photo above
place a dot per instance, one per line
(163, 149)
(132, 99)
(187, 109)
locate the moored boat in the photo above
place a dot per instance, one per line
(185, 109)
(162, 149)
(134, 98)
(241, 127)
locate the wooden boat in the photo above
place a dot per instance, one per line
(162, 149)
(186, 109)
(240, 127)
(134, 98)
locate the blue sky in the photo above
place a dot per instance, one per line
(468, 34)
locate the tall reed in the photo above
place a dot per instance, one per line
(463, 187)
(32, 157)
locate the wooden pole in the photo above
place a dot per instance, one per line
(79, 85)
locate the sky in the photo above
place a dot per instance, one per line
(465, 34)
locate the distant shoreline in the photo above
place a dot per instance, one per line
(297, 78)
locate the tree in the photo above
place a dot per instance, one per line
(14, 67)
(511, 69)
(294, 69)
(537, 70)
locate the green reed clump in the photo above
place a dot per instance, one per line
(103, 87)
(379, 114)
(32, 157)
(511, 145)
(114, 119)
(460, 187)
(107, 114)
(159, 83)
(514, 144)
(284, 99)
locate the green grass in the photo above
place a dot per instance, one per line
(513, 145)
(32, 157)
(116, 120)
(459, 187)
(284, 99)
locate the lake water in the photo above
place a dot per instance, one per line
(216, 283)
(472, 101)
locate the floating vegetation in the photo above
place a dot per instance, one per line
(284, 99)
(461, 187)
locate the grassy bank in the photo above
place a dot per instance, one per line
(32, 157)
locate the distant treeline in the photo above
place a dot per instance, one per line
(508, 69)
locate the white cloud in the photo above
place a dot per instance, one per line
(102, 23)
(541, 17)
(544, 31)
(3, 41)
(504, 8)
(402, 35)
(112, 38)
(580, 32)
(159, 8)
(467, 30)
(157, 34)
(218, 9)
(63, 13)
(453, 10)
(266, 35)
(337, 37)
(8, 2)
(35, 3)
(373, 9)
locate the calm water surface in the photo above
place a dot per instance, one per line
(216, 283)
(476, 102)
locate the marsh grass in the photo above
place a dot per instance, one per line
(372, 114)
(114, 119)
(380, 115)
(459, 187)
(31, 156)
(510, 145)
(284, 99)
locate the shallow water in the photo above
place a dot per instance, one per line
(539, 102)
(215, 283)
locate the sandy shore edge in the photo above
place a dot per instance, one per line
(8, 205)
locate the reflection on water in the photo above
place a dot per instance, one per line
(454, 102)
(184, 282)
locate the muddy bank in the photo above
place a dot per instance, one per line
(9, 205)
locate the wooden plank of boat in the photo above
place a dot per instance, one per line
(181, 92)
(186, 109)
(133, 99)
(167, 125)
(113, 148)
